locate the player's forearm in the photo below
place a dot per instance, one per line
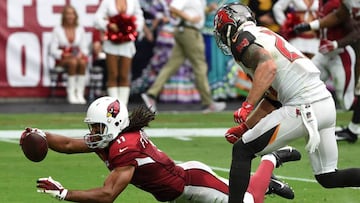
(262, 109)
(328, 21)
(65, 144)
(263, 77)
(335, 18)
(96, 195)
(351, 38)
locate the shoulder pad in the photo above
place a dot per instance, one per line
(241, 43)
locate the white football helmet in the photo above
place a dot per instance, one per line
(228, 20)
(112, 117)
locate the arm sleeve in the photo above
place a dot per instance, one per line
(55, 51)
(125, 159)
(84, 43)
(139, 17)
(243, 41)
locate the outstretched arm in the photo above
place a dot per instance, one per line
(340, 15)
(114, 184)
(64, 144)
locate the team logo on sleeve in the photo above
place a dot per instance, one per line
(113, 109)
(243, 44)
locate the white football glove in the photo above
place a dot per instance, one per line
(327, 46)
(31, 130)
(51, 187)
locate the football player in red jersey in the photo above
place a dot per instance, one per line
(343, 26)
(120, 141)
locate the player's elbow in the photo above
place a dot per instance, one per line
(108, 197)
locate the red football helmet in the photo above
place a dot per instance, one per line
(227, 22)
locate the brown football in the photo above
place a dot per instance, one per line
(34, 146)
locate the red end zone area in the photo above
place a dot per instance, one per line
(30, 92)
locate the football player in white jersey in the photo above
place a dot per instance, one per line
(303, 107)
(349, 11)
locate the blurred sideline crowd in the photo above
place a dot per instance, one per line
(133, 40)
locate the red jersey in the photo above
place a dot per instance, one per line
(154, 172)
(336, 32)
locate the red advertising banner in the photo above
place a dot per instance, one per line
(25, 30)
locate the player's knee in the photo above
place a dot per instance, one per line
(328, 180)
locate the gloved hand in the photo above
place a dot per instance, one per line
(242, 113)
(51, 187)
(327, 46)
(302, 27)
(31, 130)
(234, 133)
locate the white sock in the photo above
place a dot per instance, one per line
(354, 128)
(269, 157)
(112, 92)
(123, 94)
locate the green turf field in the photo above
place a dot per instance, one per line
(84, 171)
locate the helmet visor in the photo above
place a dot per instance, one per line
(98, 136)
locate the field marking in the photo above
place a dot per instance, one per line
(215, 168)
(180, 133)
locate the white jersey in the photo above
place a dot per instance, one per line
(192, 8)
(297, 79)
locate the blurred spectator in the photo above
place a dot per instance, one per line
(121, 20)
(154, 14)
(180, 86)
(264, 13)
(338, 64)
(189, 44)
(346, 14)
(288, 13)
(70, 49)
(221, 74)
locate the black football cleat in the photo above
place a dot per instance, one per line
(346, 135)
(280, 188)
(286, 154)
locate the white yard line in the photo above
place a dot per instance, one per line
(180, 133)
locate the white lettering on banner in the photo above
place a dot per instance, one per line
(46, 59)
(15, 12)
(45, 12)
(26, 35)
(85, 18)
(23, 45)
